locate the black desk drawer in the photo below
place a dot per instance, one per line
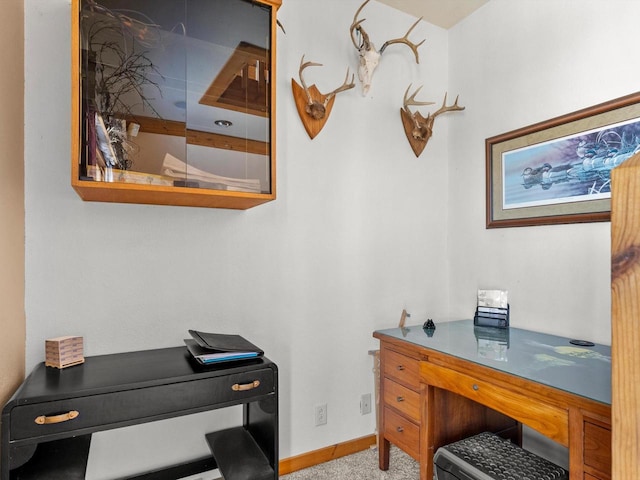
(110, 410)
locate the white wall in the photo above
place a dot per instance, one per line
(358, 231)
(518, 63)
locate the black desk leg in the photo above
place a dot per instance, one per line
(261, 421)
(64, 459)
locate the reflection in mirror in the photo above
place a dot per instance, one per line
(176, 93)
(492, 342)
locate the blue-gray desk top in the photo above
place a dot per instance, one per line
(547, 359)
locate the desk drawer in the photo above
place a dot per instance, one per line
(405, 370)
(403, 399)
(402, 433)
(547, 419)
(597, 447)
(110, 410)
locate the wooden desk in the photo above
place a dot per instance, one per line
(47, 424)
(463, 380)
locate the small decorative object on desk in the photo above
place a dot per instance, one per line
(62, 352)
(492, 309)
(429, 327)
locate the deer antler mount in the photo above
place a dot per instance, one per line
(369, 56)
(314, 107)
(418, 128)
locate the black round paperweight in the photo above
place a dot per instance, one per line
(582, 343)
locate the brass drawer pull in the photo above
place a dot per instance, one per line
(400, 429)
(400, 367)
(236, 387)
(63, 417)
(399, 399)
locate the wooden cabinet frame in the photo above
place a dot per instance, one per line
(122, 192)
(625, 341)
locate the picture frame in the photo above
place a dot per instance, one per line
(558, 171)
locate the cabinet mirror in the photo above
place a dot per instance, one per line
(173, 101)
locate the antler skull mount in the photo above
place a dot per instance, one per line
(418, 128)
(314, 107)
(368, 55)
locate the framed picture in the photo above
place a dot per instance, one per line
(558, 171)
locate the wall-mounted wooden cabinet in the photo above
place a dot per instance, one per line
(173, 101)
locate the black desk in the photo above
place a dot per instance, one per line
(44, 438)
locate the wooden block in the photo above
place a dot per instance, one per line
(62, 352)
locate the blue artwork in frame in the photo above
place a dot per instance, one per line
(559, 171)
(570, 169)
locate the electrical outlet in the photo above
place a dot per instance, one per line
(321, 414)
(365, 404)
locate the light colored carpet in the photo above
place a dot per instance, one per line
(361, 466)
